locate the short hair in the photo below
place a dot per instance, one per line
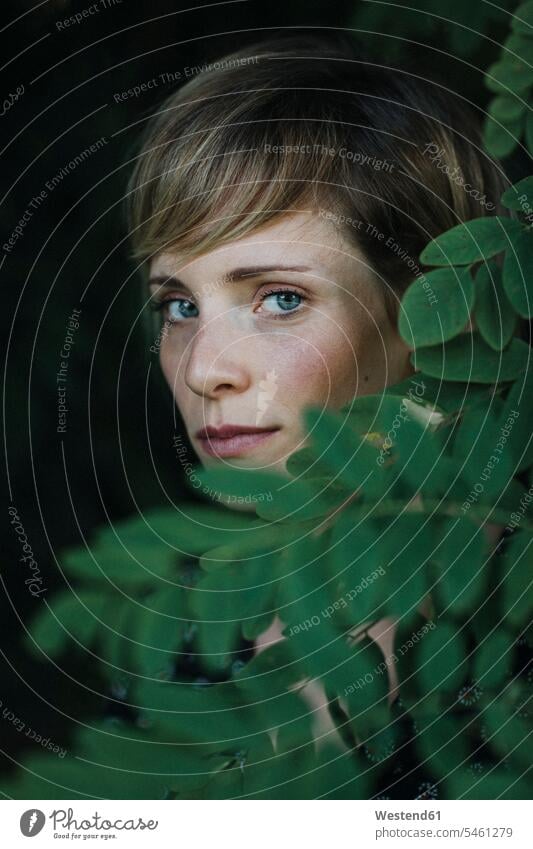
(302, 121)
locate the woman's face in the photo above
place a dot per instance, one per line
(257, 329)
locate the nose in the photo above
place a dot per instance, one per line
(218, 361)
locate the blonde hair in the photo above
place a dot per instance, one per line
(303, 120)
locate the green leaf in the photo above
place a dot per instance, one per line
(441, 659)
(275, 497)
(407, 636)
(273, 670)
(485, 467)
(260, 544)
(517, 562)
(514, 499)
(127, 760)
(512, 75)
(241, 486)
(522, 19)
(323, 649)
(304, 499)
(416, 449)
(291, 773)
(350, 451)
(515, 423)
(238, 590)
(379, 566)
(159, 631)
(468, 358)
(501, 138)
(44, 778)
(266, 680)
(304, 463)
(67, 620)
(337, 714)
(494, 315)
(442, 743)
(517, 43)
(217, 604)
(253, 627)
(366, 693)
(211, 717)
(507, 109)
(255, 554)
(519, 196)
(508, 733)
(339, 776)
(355, 568)
(439, 397)
(460, 558)
(339, 446)
(120, 566)
(471, 241)
(499, 783)
(242, 773)
(188, 530)
(404, 547)
(436, 306)
(493, 659)
(518, 273)
(117, 644)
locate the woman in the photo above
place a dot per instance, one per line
(278, 206)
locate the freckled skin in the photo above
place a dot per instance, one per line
(342, 343)
(221, 363)
(339, 343)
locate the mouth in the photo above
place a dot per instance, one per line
(232, 440)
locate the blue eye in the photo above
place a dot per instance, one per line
(282, 300)
(178, 309)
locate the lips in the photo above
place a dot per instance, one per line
(231, 440)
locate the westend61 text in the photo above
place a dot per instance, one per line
(408, 815)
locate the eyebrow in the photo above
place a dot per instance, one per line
(169, 281)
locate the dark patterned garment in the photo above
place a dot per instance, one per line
(405, 777)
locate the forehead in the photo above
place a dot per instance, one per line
(303, 238)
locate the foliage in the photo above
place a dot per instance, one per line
(511, 80)
(375, 519)
(459, 27)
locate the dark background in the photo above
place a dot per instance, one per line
(116, 456)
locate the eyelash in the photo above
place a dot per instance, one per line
(285, 291)
(158, 305)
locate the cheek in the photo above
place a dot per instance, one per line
(337, 362)
(314, 369)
